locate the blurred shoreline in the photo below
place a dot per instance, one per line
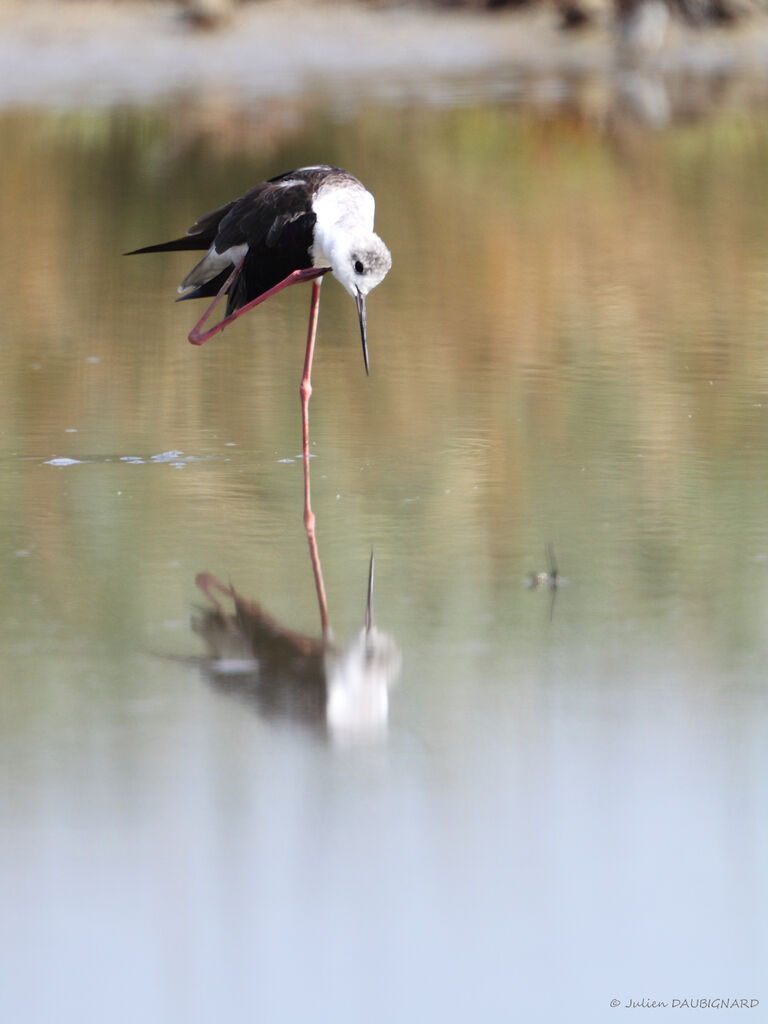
(91, 54)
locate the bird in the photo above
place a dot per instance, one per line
(294, 227)
(285, 674)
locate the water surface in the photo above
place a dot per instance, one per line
(566, 801)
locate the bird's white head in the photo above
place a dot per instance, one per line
(360, 263)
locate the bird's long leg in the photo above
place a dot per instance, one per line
(306, 381)
(198, 336)
(194, 335)
(309, 516)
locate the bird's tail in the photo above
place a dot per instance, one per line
(185, 244)
(199, 236)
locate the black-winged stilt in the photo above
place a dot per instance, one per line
(294, 227)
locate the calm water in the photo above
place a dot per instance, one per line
(549, 799)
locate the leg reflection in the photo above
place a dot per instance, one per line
(341, 692)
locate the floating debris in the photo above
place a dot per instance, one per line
(171, 456)
(550, 580)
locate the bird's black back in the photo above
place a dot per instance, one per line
(274, 219)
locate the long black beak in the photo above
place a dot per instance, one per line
(360, 303)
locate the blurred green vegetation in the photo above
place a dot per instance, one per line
(570, 347)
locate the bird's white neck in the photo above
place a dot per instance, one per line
(339, 213)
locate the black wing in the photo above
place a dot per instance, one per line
(274, 219)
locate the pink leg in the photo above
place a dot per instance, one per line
(309, 516)
(306, 382)
(197, 336)
(194, 335)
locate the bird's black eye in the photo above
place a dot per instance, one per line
(359, 268)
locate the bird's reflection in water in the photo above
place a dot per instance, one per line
(344, 692)
(341, 692)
